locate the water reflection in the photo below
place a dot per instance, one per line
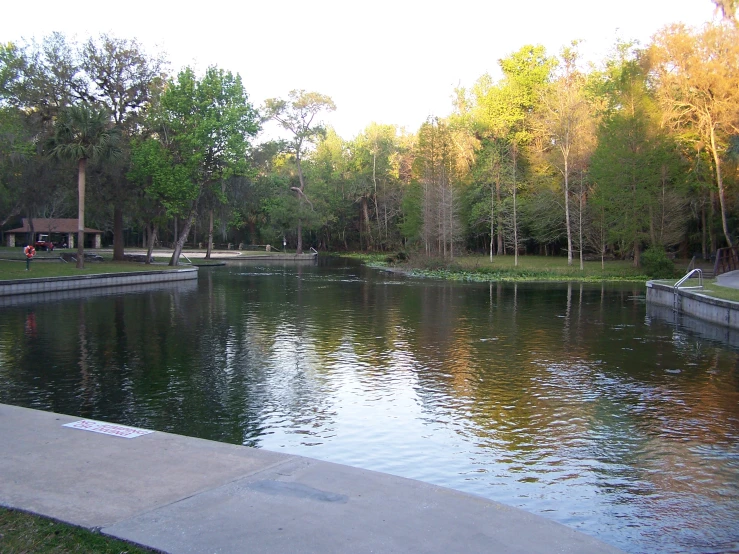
(563, 399)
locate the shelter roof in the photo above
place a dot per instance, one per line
(51, 225)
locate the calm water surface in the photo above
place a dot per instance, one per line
(565, 400)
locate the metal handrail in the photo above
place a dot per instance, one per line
(727, 259)
(314, 250)
(688, 275)
(675, 303)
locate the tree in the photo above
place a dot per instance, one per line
(205, 125)
(698, 88)
(502, 114)
(36, 82)
(297, 116)
(48, 79)
(164, 186)
(84, 133)
(563, 117)
(635, 165)
(729, 10)
(121, 78)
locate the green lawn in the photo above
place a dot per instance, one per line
(530, 268)
(48, 264)
(22, 533)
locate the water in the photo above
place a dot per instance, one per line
(564, 400)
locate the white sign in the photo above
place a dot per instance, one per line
(108, 428)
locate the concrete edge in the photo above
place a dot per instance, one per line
(95, 280)
(179, 518)
(695, 304)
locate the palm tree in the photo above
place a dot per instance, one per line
(82, 133)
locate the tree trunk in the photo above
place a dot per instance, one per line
(704, 231)
(299, 249)
(500, 223)
(579, 226)
(210, 234)
(711, 226)
(367, 223)
(492, 221)
(515, 223)
(118, 247)
(152, 231)
(377, 209)
(81, 166)
(720, 183)
(175, 260)
(567, 211)
(252, 232)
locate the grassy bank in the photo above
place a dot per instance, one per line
(710, 288)
(502, 268)
(16, 269)
(537, 268)
(22, 533)
(49, 264)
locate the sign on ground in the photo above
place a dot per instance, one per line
(108, 428)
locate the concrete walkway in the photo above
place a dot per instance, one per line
(185, 495)
(729, 279)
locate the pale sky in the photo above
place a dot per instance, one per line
(385, 61)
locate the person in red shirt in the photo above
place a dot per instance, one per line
(30, 252)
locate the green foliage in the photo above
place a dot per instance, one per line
(84, 132)
(164, 182)
(206, 124)
(656, 264)
(411, 222)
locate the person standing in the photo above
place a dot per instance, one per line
(30, 252)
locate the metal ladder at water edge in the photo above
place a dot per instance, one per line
(676, 287)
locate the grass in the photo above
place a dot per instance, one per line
(16, 269)
(48, 265)
(530, 268)
(23, 533)
(710, 288)
(716, 291)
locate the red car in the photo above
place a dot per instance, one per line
(43, 244)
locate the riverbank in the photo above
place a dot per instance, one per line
(502, 268)
(698, 303)
(151, 490)
(13, 287)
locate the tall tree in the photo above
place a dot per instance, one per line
(121, 78)
(563, 117)
(698, 77)
(205, 124)
(84, 133)
(297, 115)
(635, 163)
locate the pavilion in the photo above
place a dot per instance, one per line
(65, 227)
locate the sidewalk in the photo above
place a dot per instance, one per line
(185, 495)
(729, 279)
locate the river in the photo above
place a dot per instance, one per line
(566, 400)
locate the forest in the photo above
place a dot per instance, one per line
(554, 156)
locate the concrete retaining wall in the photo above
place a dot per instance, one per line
(28, 286)
(695, 304)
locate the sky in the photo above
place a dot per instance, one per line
(393, 62)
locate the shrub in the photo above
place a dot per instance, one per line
(656, 264)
